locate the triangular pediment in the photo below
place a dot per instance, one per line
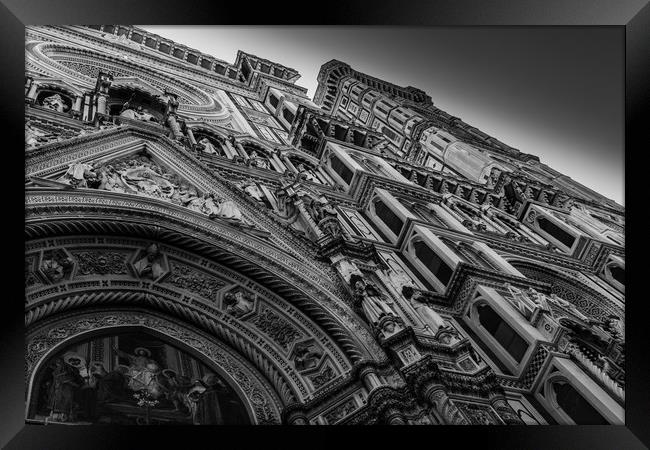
(132, 161)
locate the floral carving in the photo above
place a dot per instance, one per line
(101, 263)
(193, 280)
(323, 378)
(276, 328)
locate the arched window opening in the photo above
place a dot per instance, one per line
(433, 262)
(135, 104)
(288, 115)
(55, 100)
(210, 144)
(508, 338)
(341, 169)
(576, 407)
(555, 231)
(388, 217)
(618, 273)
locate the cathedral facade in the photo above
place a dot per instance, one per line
(205, 244)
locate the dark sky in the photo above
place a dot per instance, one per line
(555, 92)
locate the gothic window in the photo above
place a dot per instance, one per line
(555, 231)
(618, 273)
(288, 115)
(341, 169)
(386, 215)
(433, 262)
(508, 338)
(576, 406)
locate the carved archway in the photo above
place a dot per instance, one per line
(47, 339)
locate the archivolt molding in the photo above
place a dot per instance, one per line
(45, 339)
(80, 66)
(208, 80)
(192, 287)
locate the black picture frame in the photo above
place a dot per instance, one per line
(633, 16)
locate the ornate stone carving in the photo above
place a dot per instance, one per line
(101, 262)
(56, 265)
(151, 263)
(341, 411)
(194, 280)
(274, 326)
(325, 376)
(238, 302)
(306, 355)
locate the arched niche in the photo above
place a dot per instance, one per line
(214, 385)
(54, 98)
(211, 142)
(122, 98)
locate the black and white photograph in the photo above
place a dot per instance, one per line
(384, 222)
(211, 240)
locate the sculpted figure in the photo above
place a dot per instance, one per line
(306, 356)
(431, 318)
(373, 303)
(78, 175)
(228, 210)
(55, 102)
(150, 266)
(257, 161)
(208, 147)
(237, 304)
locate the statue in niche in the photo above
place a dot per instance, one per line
(258, 161)
(251, 189)
(373, 303)
(303, 171)
(237, 304)
(139, 113)
(150, 265)
(104, 82)
(207, 146)
(55, 102)
(325, 216)
(307, 356)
